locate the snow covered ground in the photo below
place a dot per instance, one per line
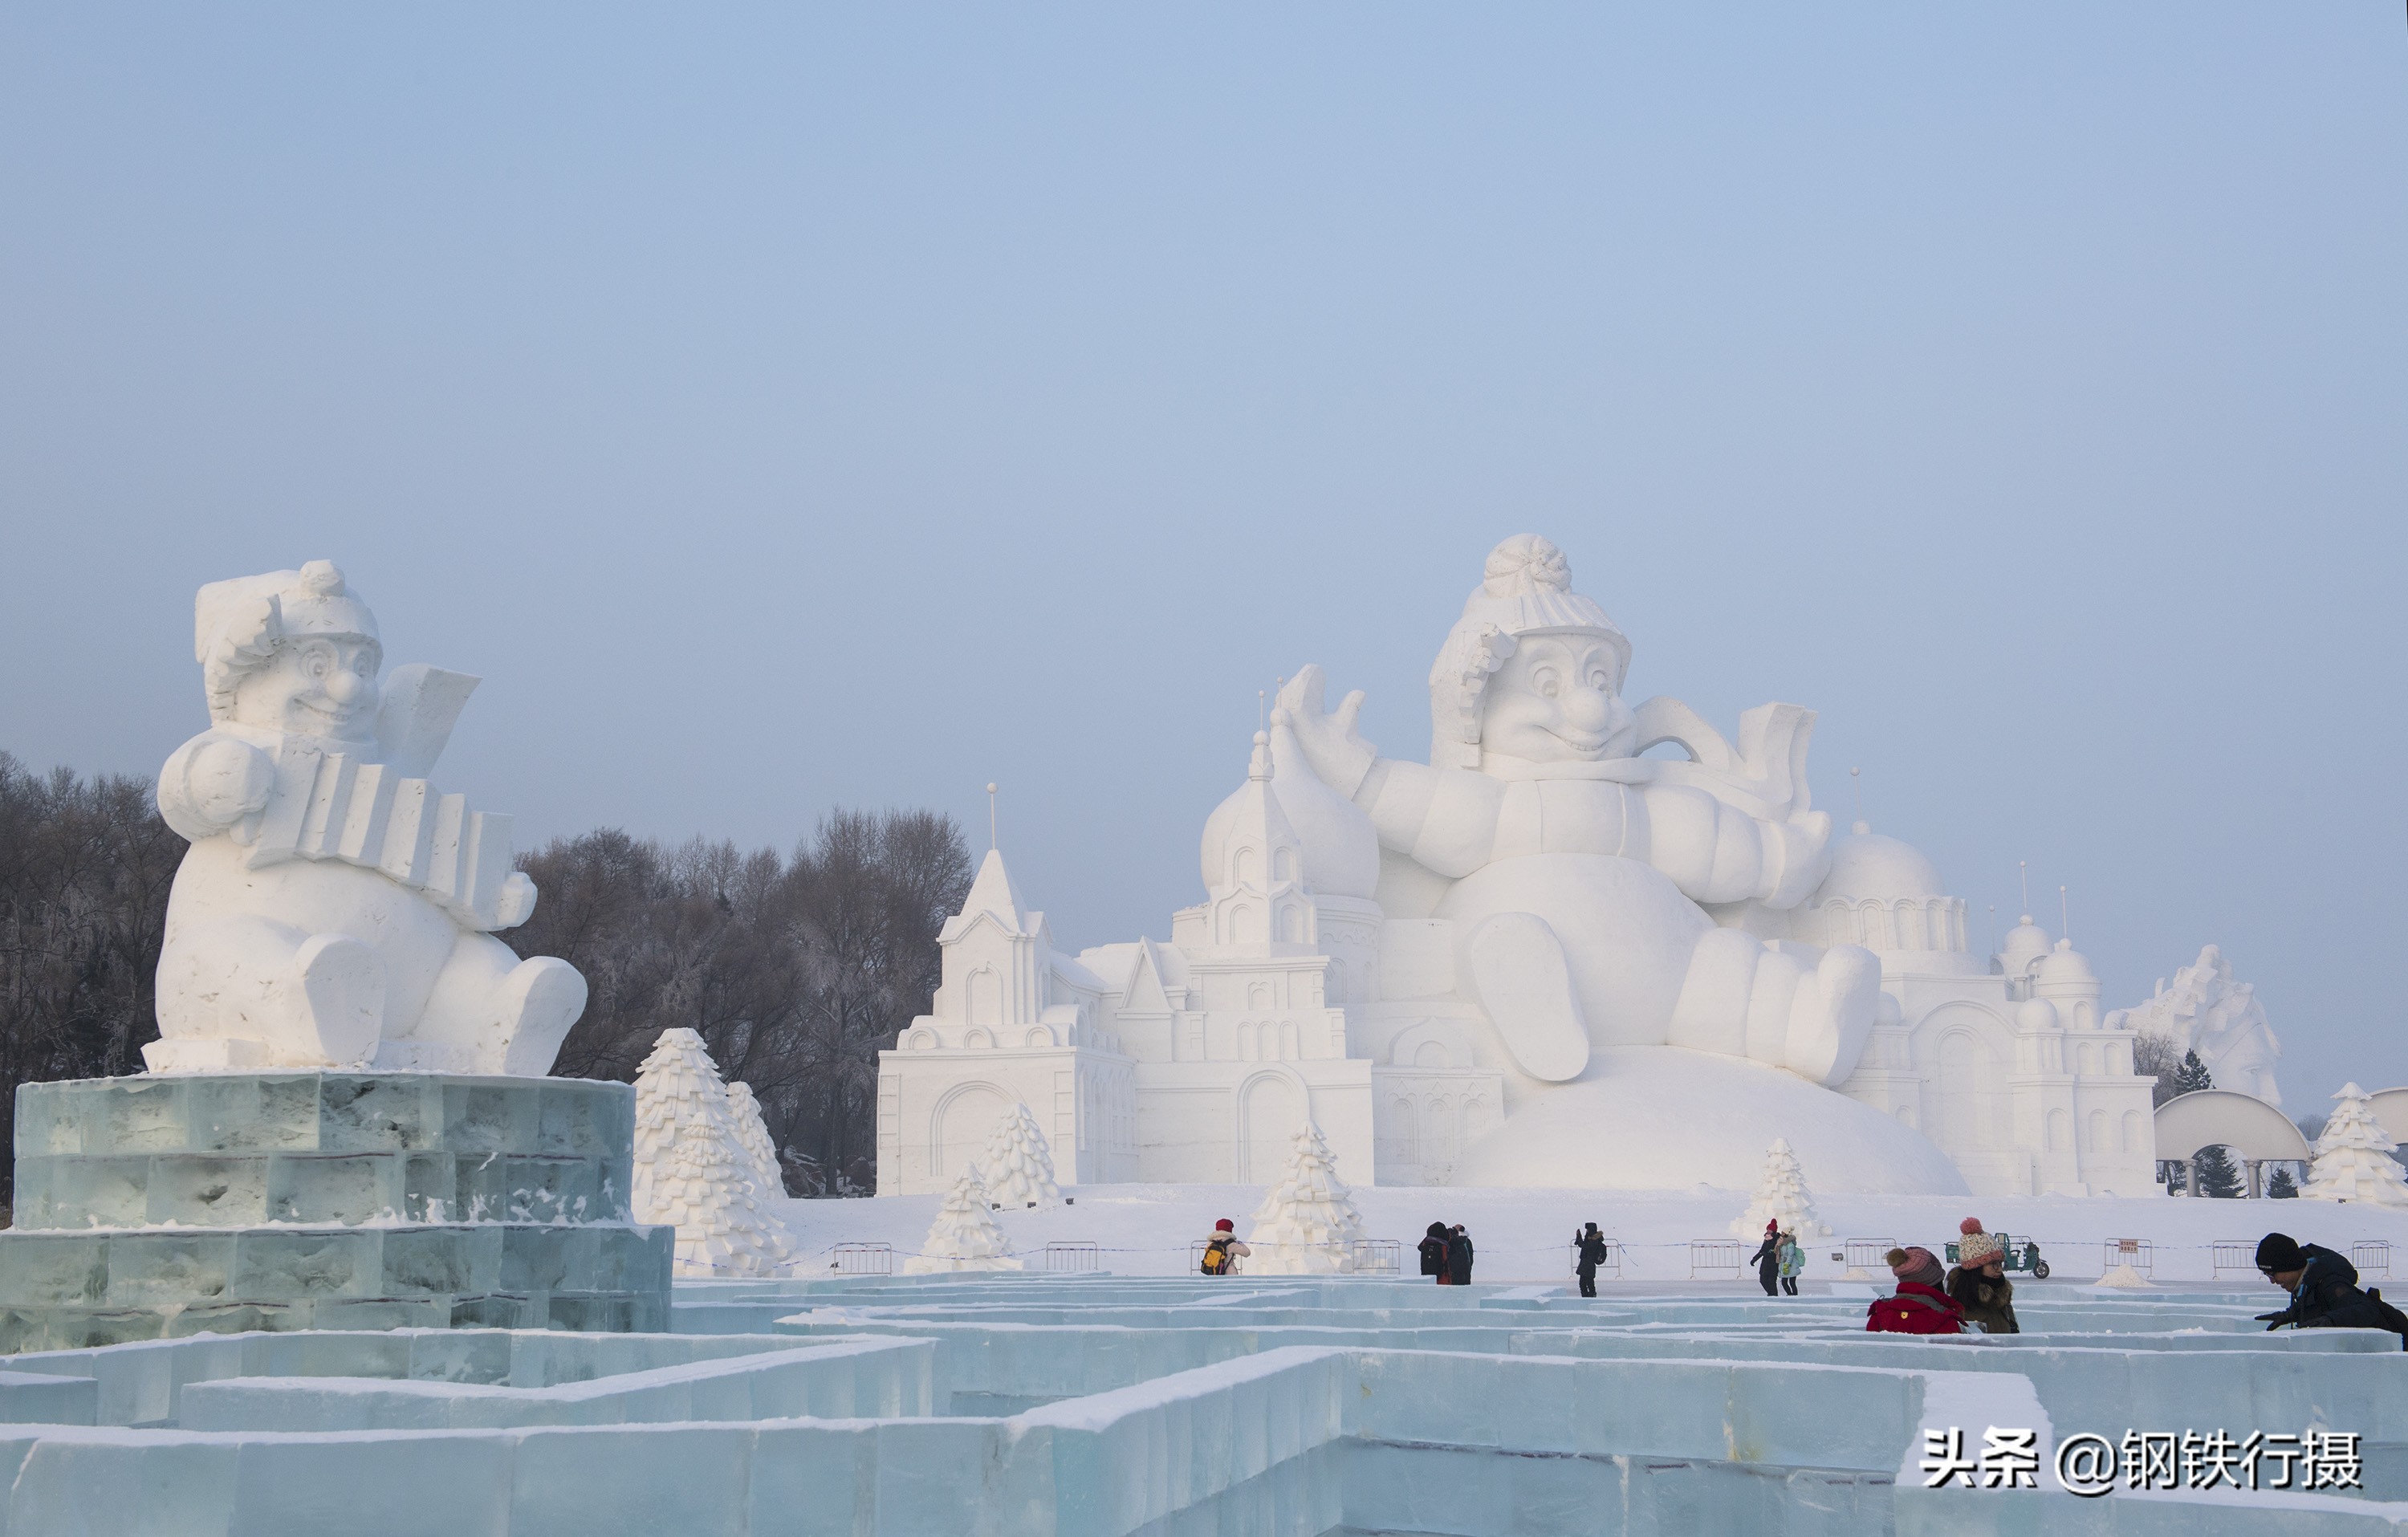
(1524, 1236)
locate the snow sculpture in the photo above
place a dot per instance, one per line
(964, 1236)
(1307, 1223)
(752, 1132)
(1579, 875)
(1018, 1169)
(2353, 1159)
(2206, 1012)
(692, 1171)
(1782, 1199)
(335, 909)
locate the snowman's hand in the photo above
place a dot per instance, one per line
(226, 781)
(1332, 742)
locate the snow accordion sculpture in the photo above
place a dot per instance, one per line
(335, 909)
(1307, 1223)
(692, 1171)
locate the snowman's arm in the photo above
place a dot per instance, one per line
(212, 782)
(1445, 818)
(1715, 852)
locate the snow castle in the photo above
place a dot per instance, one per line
(1540, 959)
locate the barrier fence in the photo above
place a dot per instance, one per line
(2138, 1253)
(2372, 1256)
(1863, 1256)
(1073, 1257)
(2235, 1256)
(863, 1259)
(1378, 1256)
(1714, 1259)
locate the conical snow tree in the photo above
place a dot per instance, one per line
(1782, 1199)
(1018, 1168)
(1307, 1223)
(693, 1171)
(964, 1236)
(754, 1133)
(2353, 1159)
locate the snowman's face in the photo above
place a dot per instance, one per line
(1554, 700)
(314, 686)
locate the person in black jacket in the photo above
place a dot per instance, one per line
(1433, 1247)
(1590, 1245)
(1767, 1259)
(2323, 1287)
(1459, 1254)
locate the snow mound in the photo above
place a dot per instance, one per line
(1661, 1118)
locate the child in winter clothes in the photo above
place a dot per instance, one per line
(1920, 1306)
(1979, 1284)
(1792, 1263)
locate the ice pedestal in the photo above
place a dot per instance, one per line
(218, 1202)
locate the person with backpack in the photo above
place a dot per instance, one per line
(1792, 1263)
(1223, 1251)
(1920, 1306)
(1433, 1247)
(2323, 1289)
(1766, 1261)
(1588, 1253)
(1459, 1254)
(1979, 1282)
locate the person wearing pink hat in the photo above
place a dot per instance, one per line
(1920, 1306)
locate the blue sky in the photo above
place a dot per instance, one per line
(786, 409)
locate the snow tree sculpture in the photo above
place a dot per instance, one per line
(2353, 1159)
(1782, 1199)
(693, 1171)
(1018, 1169)
(753, 1133)
(1307, 1223)
(964, 1236)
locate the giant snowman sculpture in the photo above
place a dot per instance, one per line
(335, 910)
(1541, 958)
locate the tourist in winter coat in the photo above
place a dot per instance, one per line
(1590, 1246)
(1979, 1282)
(1223, 1250)
(1792, 1263)
(1766, 1261)
(1920, 1306)
(2323, 1287)
(1459, 1254)
(1433, 1248)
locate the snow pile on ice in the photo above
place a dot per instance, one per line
(692, 1171)
(753, 1133)
(2353, 1159)
(2124, 1276)
(1308, 1225)
(964, 1236)
(1782, 1199)
(1018, 1168)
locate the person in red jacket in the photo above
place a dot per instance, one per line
(1920, 1306)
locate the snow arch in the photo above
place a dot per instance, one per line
(2227, 1118)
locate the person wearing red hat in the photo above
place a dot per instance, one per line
(1222, 1251)
(1767, 1259)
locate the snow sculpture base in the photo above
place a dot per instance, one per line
(219, 1202)
(1660, 1118)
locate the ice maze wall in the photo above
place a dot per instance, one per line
(1101, 1405)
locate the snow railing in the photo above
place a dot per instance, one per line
(1714, 1259)
(2138, 1253)
(863, 1259)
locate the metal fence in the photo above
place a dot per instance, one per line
(1377, 1256)
(1863, 1256)
(2138, 1253)
(2372, 1256)
(2234, 1256)
(1073, 1256)
(863, 1259)
(1714, 1259)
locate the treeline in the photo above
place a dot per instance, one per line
(796, 972)
(795, 969)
